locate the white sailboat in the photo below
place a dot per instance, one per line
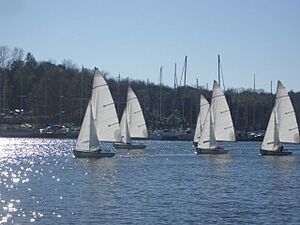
(100, 122)
(203, 110)
(133, 124)
(282, 126)
(217, 126)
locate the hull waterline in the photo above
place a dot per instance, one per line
(274, 153)
(211, 151)
(93, 154)
(128, 146)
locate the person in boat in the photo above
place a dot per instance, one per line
(279, 149)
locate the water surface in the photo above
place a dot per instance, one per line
(166, 183)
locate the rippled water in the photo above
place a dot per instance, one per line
(166, 183)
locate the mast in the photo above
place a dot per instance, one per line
(45, 101)
(4, 94)
(60, 102)
(271, 88)
(174, 94)
(254, 82)
(175, 76)
(184, 72)
(21, 96)
(219, 70)
(160, 90)
(185, 69)
(81, 91)
(3, 99)
(118, 91)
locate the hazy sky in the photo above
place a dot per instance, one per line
(136, 37)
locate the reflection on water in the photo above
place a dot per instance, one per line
(166, 183)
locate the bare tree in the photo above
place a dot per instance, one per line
(69, 64)
(16, 54)
(4, 56)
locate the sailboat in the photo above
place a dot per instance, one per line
(217, 126)
(133, 124)
(282, 126)
(203, 110)
(100, 122)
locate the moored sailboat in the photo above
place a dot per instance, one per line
(100, 122)
(133, 124)
(217, 126)
(282, 126)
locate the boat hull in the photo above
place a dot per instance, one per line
(128, 146)
(274, 153)
(211, 151)
(93, 154)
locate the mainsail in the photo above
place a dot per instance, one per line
(288, 128)
(222, 121)
(136, 121)
(104, 112)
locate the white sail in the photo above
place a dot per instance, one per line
(87, 138)
(271, 139)
(125, 136)
(136, 121)
(207, 139)
(224, 130)
(288, 127)
(104, 112)
(203, 110)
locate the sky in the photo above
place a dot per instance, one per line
(134, 38)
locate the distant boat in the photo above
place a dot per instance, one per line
(100, 122)
(133, 124)
(282, 126)
(203, 110)
(217, 126)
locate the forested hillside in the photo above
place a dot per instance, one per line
(43, 92)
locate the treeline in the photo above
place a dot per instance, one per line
(43, 92)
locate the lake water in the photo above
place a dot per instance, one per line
(166, 183)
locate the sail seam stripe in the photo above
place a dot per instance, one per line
(109, 125)
(100, 85)
(225, 111)
(216, 96)
(284, 96)
(289, 112)
(108, 104)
